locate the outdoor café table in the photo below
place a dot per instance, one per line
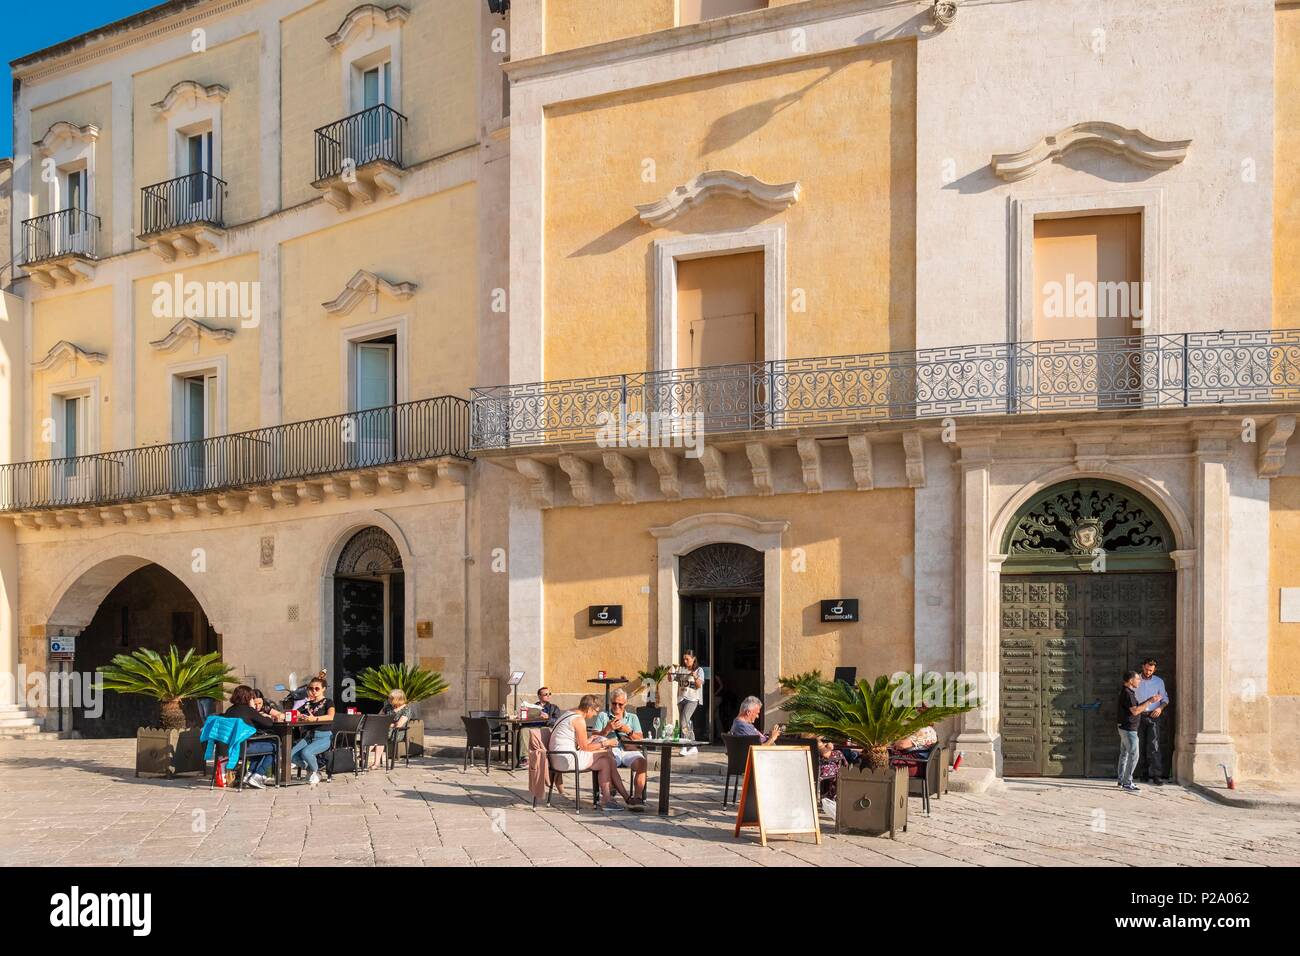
(666, 748)
(515, 724)
(608, 682)
(285, 732)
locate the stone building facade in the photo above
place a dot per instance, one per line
(981, 316)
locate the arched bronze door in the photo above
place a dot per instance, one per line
(1087, 592)
(369, 603)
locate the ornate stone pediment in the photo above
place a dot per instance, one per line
(718, 182)
(366, 17)
(63, 134)
(62, 351)
(365, 284)
(1131, 144)
(190, 328)
(187, 94)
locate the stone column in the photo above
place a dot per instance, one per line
(1204, 741)
(976, 650)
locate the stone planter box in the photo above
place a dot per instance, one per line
(871, 802)
(166, 753)
(414, 738)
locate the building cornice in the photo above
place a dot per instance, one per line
(119, 35)
(689, 35)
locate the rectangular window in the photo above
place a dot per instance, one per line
(374, 392)
(197, 416)
(720, 310)
(1087, 276)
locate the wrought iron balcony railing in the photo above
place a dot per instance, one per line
(183, 201)
(373, 135)
(67, 232)
(1136, 372)
(413, 431)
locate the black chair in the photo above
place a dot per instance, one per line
(500, 730)
(737, 757)
(242, 770)
(577, 779)
(374, 733)
(933, 776)
(342, 755)
(395, 736)
(478, 733)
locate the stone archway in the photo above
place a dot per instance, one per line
(369, 608)
(117, 606)
(1087, 591)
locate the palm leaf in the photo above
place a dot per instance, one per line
(376, 683)
(871, 715)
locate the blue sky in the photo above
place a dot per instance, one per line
(30, 27)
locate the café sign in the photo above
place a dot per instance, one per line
(605, 615)
(840, 609)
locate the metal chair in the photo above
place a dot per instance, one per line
(374, 733)
(342, 755)
(242, 769)
(500, 731)
(395, 736)
(933, 775)
(478, 733)
(577, 778)
(737, 757)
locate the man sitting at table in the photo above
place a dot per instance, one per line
(549, 710)
(745, 724)
(625, 727)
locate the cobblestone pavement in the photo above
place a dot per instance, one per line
(76, 802)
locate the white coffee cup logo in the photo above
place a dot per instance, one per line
(603, 615)
(837, 609)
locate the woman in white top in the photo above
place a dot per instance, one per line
(690, 680)
(592, 753)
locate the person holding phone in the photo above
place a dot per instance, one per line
(1129, 715)
(316, 709)
(690, 694)
(746, 722)
(625, 727)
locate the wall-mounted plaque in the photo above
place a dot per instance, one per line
(840, 609)
(605, 615)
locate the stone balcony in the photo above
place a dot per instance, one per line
(863, 421)
(388, 449)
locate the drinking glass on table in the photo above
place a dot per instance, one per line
(657, 723)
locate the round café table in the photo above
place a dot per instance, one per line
(608, 682)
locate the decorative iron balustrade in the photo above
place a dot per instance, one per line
(413, 431)
(183, 201)
(1134, 372)
(373, 135)
(72, 232)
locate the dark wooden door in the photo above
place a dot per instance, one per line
(358, 627)
(1065, 641)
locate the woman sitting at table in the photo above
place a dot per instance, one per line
(832, 761)
(398, 707)
(592, 753)
(245, 706)
(316, 709)
(905, 750)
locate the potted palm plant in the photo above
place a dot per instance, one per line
(170, 679)
(792, 683)
(376, 683)
(872, 798)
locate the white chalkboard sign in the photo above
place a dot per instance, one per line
(780, 794)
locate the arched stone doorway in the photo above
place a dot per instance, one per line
(148, 608)
(1088, 591)
(720, 587)
(369, 608)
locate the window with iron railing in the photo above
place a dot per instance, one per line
(197, 197)
(370, 136)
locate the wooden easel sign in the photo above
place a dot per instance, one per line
(779, 795)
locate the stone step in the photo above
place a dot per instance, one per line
(17, 723)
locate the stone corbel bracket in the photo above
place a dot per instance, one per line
(718, 182)
(1272, 445)
(365, 284)
(187, 328)
(188, 93)
(541, 481)
(368, 16)
(63, 350)
(1131, 144)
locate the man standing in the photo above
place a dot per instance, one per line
(1153, 687)
(1128, 714)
